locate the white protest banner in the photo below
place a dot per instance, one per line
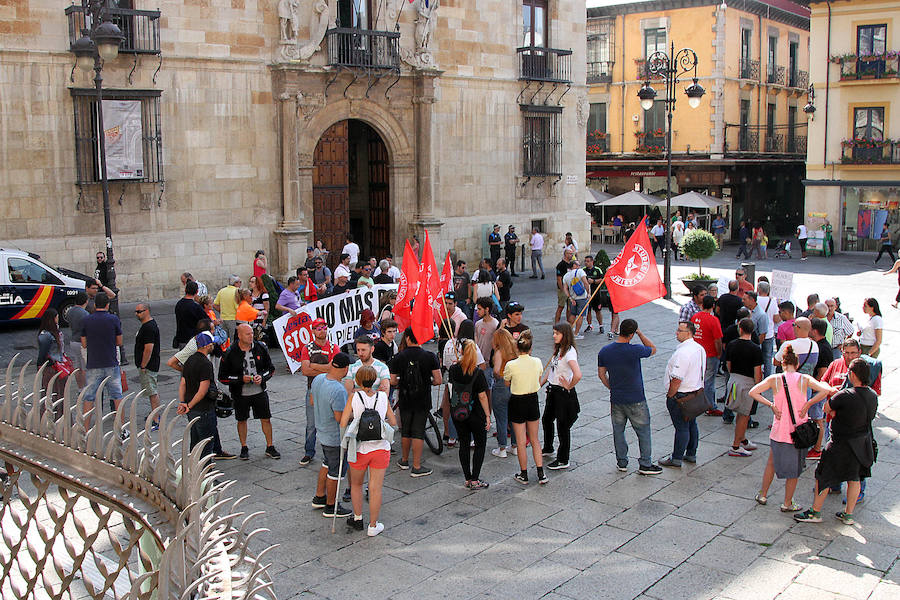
(782, 285)
(722, 285)
(340, 312)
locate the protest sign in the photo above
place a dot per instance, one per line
(782, 285)
(722, 285)
(340, 312)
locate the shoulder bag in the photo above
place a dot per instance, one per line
(692, 404)
(805, 435)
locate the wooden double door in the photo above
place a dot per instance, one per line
(337, 168)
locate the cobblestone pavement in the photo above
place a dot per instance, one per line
(593, 532)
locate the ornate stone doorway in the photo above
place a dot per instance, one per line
(351, 171)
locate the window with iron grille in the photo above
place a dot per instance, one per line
(541, 141)
(131, 119)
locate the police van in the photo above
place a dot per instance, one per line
(28, 287)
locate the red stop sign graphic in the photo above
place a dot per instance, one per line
(297, 334)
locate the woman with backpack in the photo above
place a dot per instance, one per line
(373, 455)
(470, 412)
(523, 376)
(562, 401)
(786, 460)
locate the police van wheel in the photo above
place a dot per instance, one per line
(64, 312)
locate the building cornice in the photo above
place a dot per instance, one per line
(756, 7)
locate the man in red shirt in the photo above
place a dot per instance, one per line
(709, 335)
(744, 286)
(315, 358)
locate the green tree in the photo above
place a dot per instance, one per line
(602, 260)
(698, 245)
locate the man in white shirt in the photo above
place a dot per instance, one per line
(684, 372)
(841, 327)
(343, 268)
(802, 236)
(393, 272)
(537, 252)
(352, 249)
(659, 234)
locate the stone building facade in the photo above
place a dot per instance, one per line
(267, 125)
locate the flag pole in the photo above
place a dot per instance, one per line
(446, 323)
(588, 305)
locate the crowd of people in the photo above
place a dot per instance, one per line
(821, 370)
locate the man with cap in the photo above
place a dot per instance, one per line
(314, 360)
(310, 258)
(194, 399)
(329, 398)
(510, 242)
(495, 240)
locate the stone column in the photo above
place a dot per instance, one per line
(426, 216)
(293, 234)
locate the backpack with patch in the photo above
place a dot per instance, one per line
(369, 429)
(412, 385)
(461, 400)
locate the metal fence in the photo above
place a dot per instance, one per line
(362, 48)
(107, 508)
(537, 63)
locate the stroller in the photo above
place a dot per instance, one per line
(783, 249)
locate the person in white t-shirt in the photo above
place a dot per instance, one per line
(374, 455)
(537, 252)
(562, 401)
(352, 249)
(870, 328)
(770, 308)
(802, 236)
(684, 373)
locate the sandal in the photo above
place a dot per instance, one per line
(794, 507)
(760, 499)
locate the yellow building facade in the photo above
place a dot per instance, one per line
(745, 142)
(853, 160)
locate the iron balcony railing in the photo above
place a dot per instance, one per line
(871, 152)
(885, 67)
(545, 64)
(775, 74)
(362, 48)
(748, 141)
(749, 69)
(597, 143)
(599, 72)
(796, 144)
(140, 28)
(798, 79)
(774, 142)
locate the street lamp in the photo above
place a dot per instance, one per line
(97, 45)
(810, 108)
(670, 67)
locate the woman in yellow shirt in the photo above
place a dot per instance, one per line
(523, 376)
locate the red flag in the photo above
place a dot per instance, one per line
(445, 284)
(633, 279)
(406, 291)
(429, 288)
(446, 280)
(310, 293)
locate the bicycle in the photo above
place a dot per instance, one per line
(433, 437)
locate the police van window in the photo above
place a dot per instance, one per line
(25, 271)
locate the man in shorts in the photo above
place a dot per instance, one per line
(562, 299)
(246, 368)
(745, 363)
(576, 285)
(329, 399)
(146, 355)
(314, 360)
(413, 372)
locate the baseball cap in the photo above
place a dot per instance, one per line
(340, 360)
(309, 248)
(318, 322)
(512, 226)
(514, 307)
(204, 339)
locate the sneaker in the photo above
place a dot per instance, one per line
(739, 451)
(794, 507)
(748, 445)
(476, 484)
(420, 472)
(714, 412)
(375, 529)
(650, 470)
(622, 468)
(808, 516)
(760, 499)
(451, 443)
(668, 462)
(499, 452)
(403, 464)
(845, 518)
(514, 450)
(556, 465)
(319, 501)
(754, 424)
(155, 425)
(728, 420)
(521, 478)
(225, 455)
(600, 329)
(590, 328)
(271, 452)
(337, 510)
(305, 460)
(542, 275)
(543, 479)
(354, 523)
(813, 454)
(609, 335)
(545, 452)
(245, 453)
(579, 337)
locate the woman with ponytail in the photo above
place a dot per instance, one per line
(523, 376)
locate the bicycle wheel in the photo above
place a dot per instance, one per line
(433, 435)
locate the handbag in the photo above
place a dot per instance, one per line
(692, 404)
(804, 435)
(64, 367)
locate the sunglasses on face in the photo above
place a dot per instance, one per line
(137, 312)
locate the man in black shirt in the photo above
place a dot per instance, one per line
(744, 239)
(744, 360)
(414, 389)
(495, 240)
(562, 297)
(826, 353)
(728, 304)
(510, 240)
(461, 282)
(193, 397)
(146, 354)
(385, 347)
(513, 321)
(187, 314)
(504, 282)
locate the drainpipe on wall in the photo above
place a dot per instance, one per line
(624, 85)
(827, 87)
(760, 87)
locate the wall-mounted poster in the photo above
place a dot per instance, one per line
(124, 139)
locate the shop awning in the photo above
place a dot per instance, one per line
(694, 200)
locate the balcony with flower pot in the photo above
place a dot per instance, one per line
(882, 68)
(864, 151)
(651, 142)
(597, 143)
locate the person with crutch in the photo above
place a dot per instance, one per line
(329, 398)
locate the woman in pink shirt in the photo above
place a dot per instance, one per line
(785, 460)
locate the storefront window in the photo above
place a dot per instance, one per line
(866, 210)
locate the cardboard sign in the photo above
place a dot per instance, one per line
(722, 285)
(782, 285)
(341, 312)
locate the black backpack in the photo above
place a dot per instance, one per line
(411, 383)
(369, 429)
(461, 400)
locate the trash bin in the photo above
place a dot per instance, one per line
(750, 269)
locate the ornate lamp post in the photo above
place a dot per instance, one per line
(97, 45)
(670, 67)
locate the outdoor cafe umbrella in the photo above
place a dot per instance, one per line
(594, 197)
(694, 200)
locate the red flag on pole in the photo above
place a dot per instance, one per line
(429, 290)
(445, 284)
(310, 293)
(446, 280)
(633, 279)
(406, 291)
